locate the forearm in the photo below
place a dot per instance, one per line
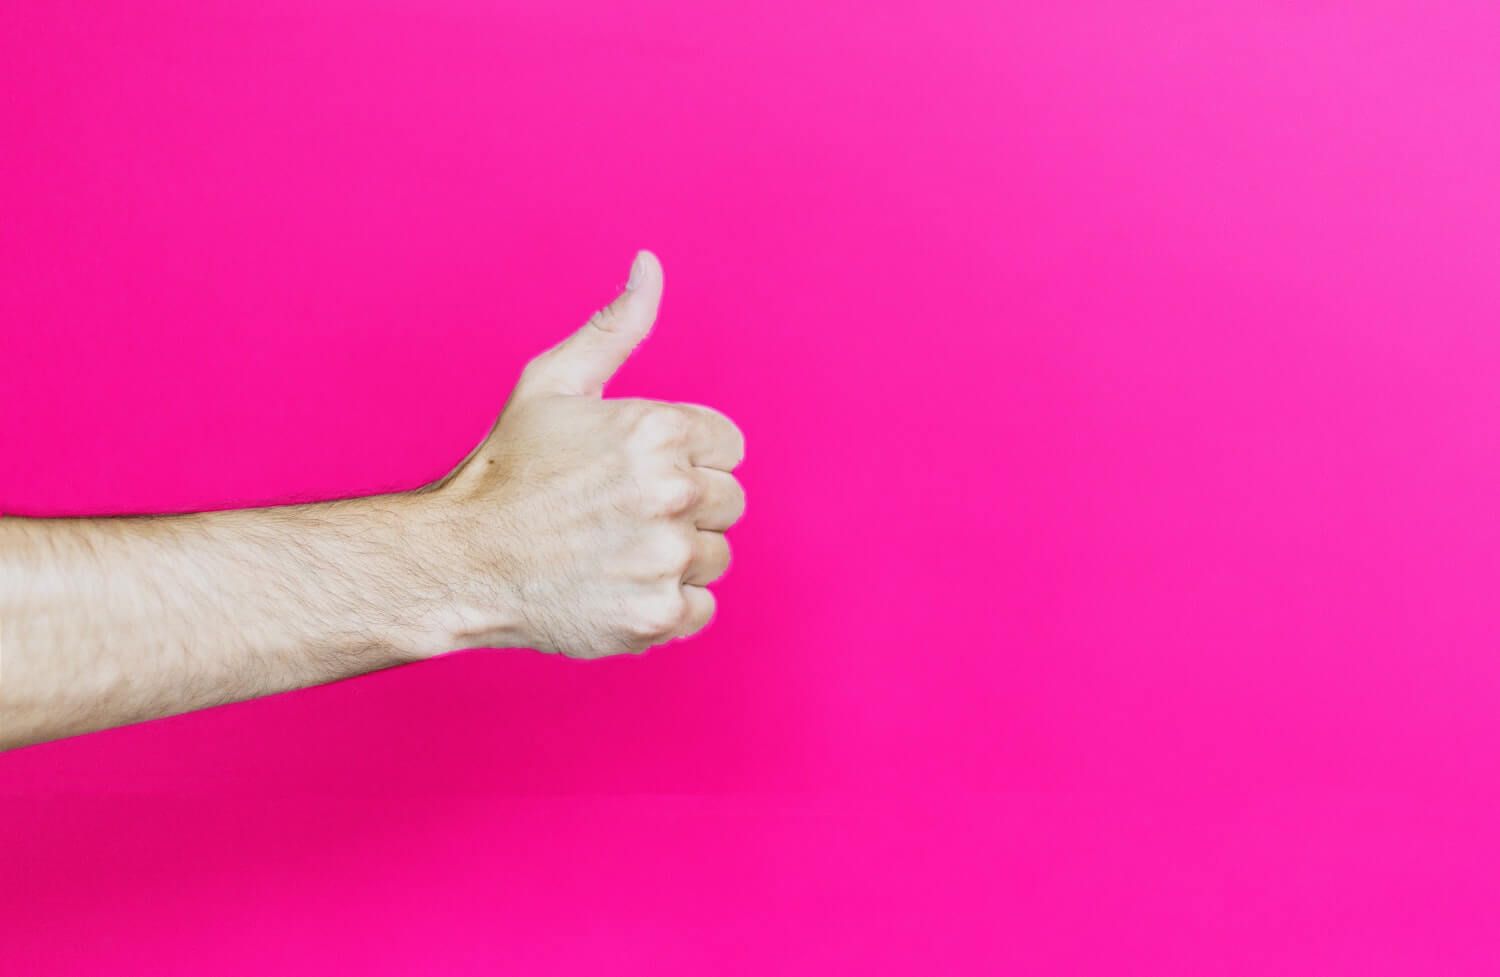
(116, 620)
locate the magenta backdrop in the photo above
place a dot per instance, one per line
(1121, 385)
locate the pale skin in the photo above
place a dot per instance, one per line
(581, 525)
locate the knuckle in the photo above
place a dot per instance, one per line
(677, 495)
(656, 616)
(536, 368)
(676, 554)
(658, 426)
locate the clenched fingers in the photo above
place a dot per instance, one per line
(710, 559)
(713, 439)
(721, 500)
(700, 610)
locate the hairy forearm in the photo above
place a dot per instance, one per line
(580, 526)
(115, 620)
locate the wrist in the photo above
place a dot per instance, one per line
(458, 576)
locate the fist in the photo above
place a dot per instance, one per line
(586, 526)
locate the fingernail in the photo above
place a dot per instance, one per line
(637, 272)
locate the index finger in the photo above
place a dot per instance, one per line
(713, 439)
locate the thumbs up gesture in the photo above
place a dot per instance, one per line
(583, 525)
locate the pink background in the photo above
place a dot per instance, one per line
(1121, 385)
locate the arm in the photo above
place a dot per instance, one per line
(580, 525)
(112, 621)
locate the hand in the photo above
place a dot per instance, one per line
(587, 526)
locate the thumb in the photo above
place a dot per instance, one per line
(583, 362)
